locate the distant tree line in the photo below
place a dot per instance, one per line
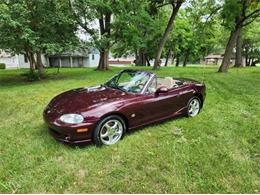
(177, 30)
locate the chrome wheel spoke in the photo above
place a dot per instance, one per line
(110, 138)
(107, 126)
(111, 132)
(115, 125)
(118, 132)
(104, 135)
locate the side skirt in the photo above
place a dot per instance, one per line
(176, 114)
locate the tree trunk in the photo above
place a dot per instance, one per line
(39, 64)
(167, 57)
(31, 61)
(140, 60)
(105, 32)
(254, 62)
(177, 60)
(228, 51)
(103, 60)
(147, 60)
(246, 56)
(238, 61)
(171, 58)
(186, 57)
(249, 61)
(175, 9)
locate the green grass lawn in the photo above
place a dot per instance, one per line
(216, 152)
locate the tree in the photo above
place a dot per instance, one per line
(36, 27)
(179, 39)
(239, 43)
(196, 32)
(251, 43)
(175, 5)
(236, 15)
(88, 14)
(137, 29)
(133, 27)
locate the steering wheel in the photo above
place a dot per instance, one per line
(140, 85)
(137, 87)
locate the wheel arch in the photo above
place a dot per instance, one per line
(118, 114)
(199, 95)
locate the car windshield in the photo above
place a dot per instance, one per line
(129, 81)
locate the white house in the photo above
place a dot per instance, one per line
(67, 59)
(82, 58)
(13, 61)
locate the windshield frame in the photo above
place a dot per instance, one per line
(117, 76)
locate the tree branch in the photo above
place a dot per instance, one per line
(249, 22)
(107, 23)
(254, 14)
(213, 12)
(161, 5)
(101, 24)
(88, 30)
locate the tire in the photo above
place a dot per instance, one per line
(193, 107)
(107, 132)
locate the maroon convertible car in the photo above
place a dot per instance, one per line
(129, 100)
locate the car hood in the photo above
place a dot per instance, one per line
(83, 99)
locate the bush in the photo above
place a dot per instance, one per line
(2, 65)
(33, 76)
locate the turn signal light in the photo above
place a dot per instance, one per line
(82, 130)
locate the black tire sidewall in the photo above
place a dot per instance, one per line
(96, 133)
(189, 104)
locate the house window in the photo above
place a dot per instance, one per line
(25, 58)
(93, 57)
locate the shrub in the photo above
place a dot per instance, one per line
(2, 65)
(33, 76)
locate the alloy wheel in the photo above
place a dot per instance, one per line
(194, 107)
(111, 132)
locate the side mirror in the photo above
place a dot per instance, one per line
(161, 90)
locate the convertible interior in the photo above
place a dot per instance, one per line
(168, 82)
(164, 82)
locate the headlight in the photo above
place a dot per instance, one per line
(72, 118)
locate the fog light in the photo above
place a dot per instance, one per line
(82, 130)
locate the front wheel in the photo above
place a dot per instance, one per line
(194, 106)
(109, 130)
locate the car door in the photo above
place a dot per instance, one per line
(153, 106)
(161, 105)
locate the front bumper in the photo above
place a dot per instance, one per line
(67, 138)
(68, 133)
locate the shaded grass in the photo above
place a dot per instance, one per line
(215, 152)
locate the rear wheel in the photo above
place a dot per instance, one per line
(194, 106)
(109, 130)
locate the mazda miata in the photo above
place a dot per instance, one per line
(129, 100)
